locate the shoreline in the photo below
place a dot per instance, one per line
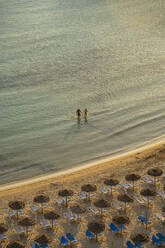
(100, 165)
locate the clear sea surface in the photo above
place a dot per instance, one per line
(60, 55)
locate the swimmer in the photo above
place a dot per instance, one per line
(85, 113)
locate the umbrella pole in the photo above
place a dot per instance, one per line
(17, 214)
(125, 206)
(96, 237)
(66, 201)
(133, 186)
(111, 190)
(52, 224)
(101, 212)
(89, 196)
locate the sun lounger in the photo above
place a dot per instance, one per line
(89, 235)
(160, 236)
(113, 227)
(81, 196)
(138, 199)
(115, 205)
(2, 237)
(20, 212)
(45, 223)
(130, 245)
(34, 208)
(138, 244)
(126, 185)
(147, 180)
(93, 210)
(59, 201)
(121, 227)
(63, 241)
(161, 194)
(160, 217)
(44, 246)
(18, 230)
(11, 213)
(102, 190)
(34, 245)
(69, 216)
(143, 220)
(70, 237)
(156, 241)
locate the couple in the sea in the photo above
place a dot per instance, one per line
(79, 112)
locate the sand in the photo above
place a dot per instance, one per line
(137, 161)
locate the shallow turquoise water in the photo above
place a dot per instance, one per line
(58, 55)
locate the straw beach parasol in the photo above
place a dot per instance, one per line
(111, 182)
(88, 188)
(15, 244)
(16, 205)
(139, 237)
(125, 198)
(40, 199)
(26, 222)
(101, 203)
(148, 193)
(42, 239)
(78, 209)
(3, 228)
(96, 227)
(155, 172)
(132, 177)
(121, 220)
(51, 215)
(65, 193)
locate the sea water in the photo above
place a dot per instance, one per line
(60, 55)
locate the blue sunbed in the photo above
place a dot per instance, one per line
(160, 236)
(137, 244)
(113, 227)
(63, 240)
(121, 227)
(70, 237)
(143, 220)
(156, 241)
(130, 245)
(89, 234)
(34, 245)
(44, 246)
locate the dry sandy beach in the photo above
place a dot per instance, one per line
(138, 161)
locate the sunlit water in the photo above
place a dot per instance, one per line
(60, 55)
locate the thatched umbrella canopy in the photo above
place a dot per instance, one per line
(132, 178)
(96, 227)
(101, 203)
(111, 182)
(41, 199)
(16, 205)
(155, 172)
(42, 239)
(121, 220)
(78, 209)
(88, 188)
(15, 244)
(125, 198)
(65, 193)
(3, 228)
(26, 222)
(139, 237)
(148, 193)
(51, 215)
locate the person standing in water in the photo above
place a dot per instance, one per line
(85, 114)
(78, 113)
